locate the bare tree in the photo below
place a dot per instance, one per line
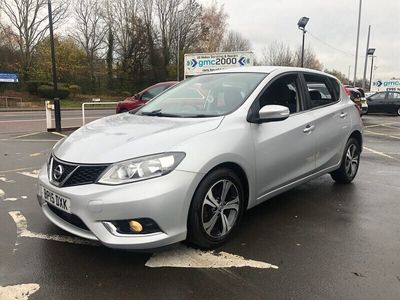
(167, 13)
(310, 59)
(213, 25)
(90, 29)
(234, 41)
(277, 54)
(130, 35)
(29, 21)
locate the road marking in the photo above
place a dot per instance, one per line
(184, 257)
(384, 124)
(23, 231)
(10, 199)
(381, 153)
(24, 140)
(2, 193)
(41, 120)
(15, 170)
(19, 291)
(60, 134)
(35, 154)
(382, 134)
(24, 135)
(3, 179)
(181, 257)
(33, 174)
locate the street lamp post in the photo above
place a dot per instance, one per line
(366, 59)
(357, 43)
(57, 112)
(302, 26)
(370, 76)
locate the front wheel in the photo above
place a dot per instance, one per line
(350, 163)
(398, 111)
(216, 210)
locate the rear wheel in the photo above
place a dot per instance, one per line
(350, 162)
(398, 111)
(216, 210)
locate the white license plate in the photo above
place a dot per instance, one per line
(57, 200)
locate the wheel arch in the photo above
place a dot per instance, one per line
(358, 136)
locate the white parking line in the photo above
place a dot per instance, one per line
(23, 231)
(382, 134)
(19, 291)
(184, 257)
(41, 120)
(181, 257)
(33, 174)
(57, 133)
(381, 153)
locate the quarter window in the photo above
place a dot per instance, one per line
(319, 90)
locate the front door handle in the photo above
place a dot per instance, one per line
(308, 128)
(343, 115)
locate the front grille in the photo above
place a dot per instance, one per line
(70, 218)
(64, 174)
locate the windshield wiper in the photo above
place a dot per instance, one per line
(158, 113)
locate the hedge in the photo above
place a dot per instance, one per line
(47, 91)
(33, 85)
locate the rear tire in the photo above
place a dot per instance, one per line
(216, 209)
(398, 111)
(350, 162)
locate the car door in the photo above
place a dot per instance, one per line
(284, 149)
(376, 102)
(331, 118)
(393, 102)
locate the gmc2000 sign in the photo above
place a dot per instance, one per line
(200, 63)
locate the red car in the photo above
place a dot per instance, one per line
(141, 98)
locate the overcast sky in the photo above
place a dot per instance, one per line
(333, 22)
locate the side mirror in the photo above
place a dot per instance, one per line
(271, 113)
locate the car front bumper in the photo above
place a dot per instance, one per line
(165, 199)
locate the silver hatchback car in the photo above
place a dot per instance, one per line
(190, 162)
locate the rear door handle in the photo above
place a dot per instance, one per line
(309, 128)
(343, 115)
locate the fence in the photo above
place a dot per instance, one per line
(9, 102)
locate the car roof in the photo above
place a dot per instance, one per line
(269, 69)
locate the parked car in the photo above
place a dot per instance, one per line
(384, 102)
(363, 100)
(188, 164)
(357, 96)
(141, 98)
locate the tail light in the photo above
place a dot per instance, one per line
(347, 91)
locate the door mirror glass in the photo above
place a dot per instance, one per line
(270, 113)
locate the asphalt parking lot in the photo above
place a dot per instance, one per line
(320, 240)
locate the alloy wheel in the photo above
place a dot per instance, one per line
(352, 160)
(220, 208)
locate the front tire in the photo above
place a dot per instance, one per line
(350, 162)
(216, 210)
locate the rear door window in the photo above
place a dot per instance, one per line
(319, 90)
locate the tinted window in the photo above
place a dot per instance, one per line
(336, 86)
(395, 96)
(319, 90)
(283, 91)
(378, 96)
(151, 93)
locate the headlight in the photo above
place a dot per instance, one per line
(141, 168)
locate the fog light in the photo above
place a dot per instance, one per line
(135, 226)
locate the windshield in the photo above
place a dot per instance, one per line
(204, 96)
